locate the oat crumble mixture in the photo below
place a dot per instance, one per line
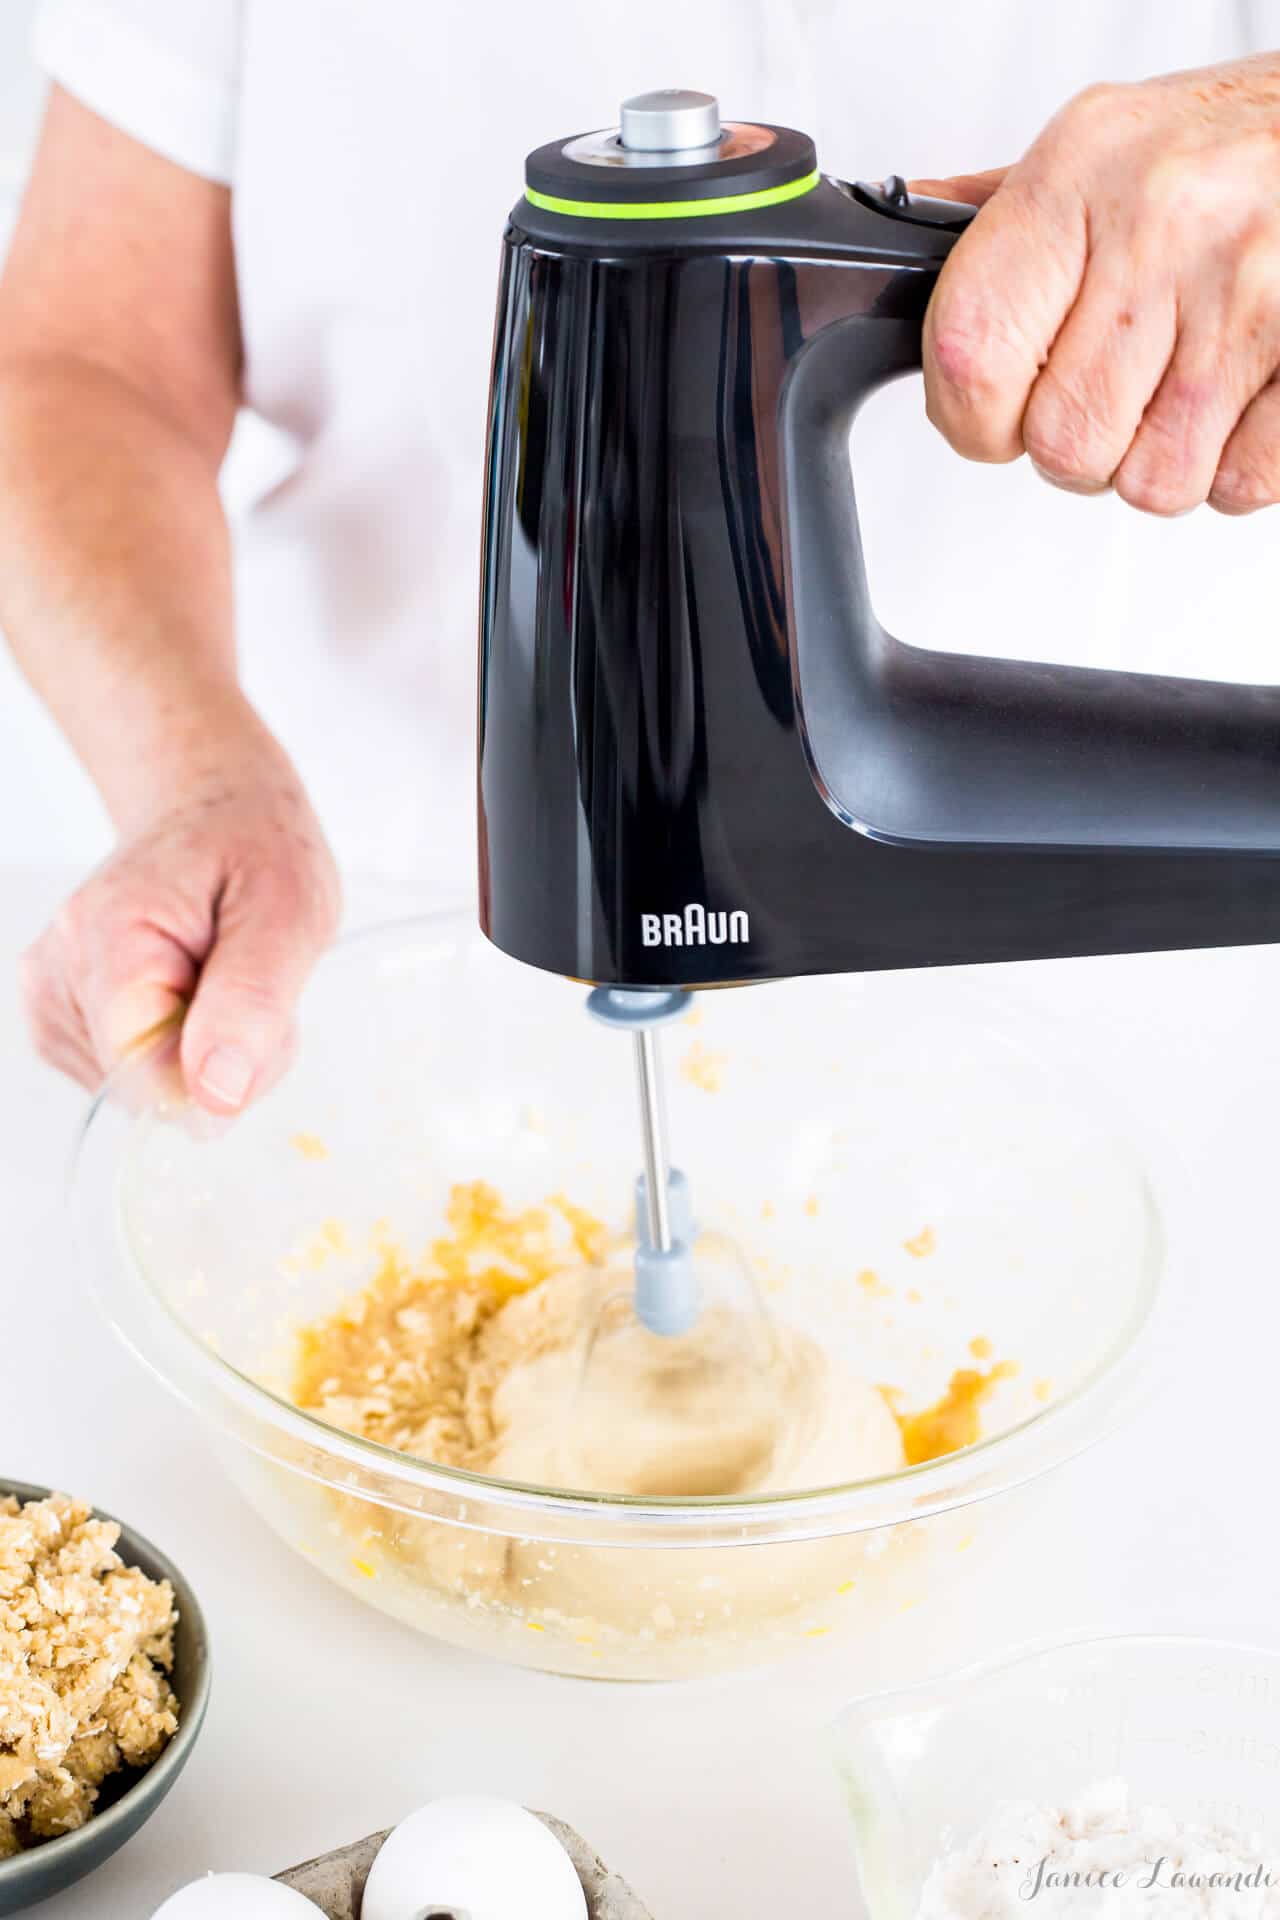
(86, 1647)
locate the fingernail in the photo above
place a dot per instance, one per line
(227, 1074)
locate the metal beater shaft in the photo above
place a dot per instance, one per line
(653, 1127)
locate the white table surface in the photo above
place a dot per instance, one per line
(715, 1799)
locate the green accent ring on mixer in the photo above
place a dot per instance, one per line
(674, 209)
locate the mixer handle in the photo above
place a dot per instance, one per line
(921, 748)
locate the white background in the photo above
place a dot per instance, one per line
(715, 1800)
(19, 95)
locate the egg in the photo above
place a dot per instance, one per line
(236, 1896)
(490, 1859)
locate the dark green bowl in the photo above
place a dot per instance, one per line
(128, 1799)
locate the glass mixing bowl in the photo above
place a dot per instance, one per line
(1189, 1725)
(910, 1167)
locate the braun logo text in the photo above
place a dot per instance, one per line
(695, 927)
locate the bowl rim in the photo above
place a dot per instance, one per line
(1131, 1368)
(888, 1703)
(163, 1771)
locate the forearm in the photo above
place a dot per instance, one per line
(120, 376)
(115, 580)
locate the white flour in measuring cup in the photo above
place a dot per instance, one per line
(1103, 1856)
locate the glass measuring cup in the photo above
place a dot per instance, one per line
(1190, 1725)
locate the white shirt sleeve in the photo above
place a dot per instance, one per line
(167, 72)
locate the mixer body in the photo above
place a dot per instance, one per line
(702, 759)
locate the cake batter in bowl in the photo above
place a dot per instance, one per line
(357, 1284)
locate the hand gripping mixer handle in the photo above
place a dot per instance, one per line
(926, 748)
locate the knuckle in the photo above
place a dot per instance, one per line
(970, 335)
(1166, 187)
(963, 396)
(1061, 434)
(960, 393)
(1176, 186)
(1244, 489)
(961, 355)
(974, 334)
(1181, 219)
(1062, 462)
(1184, 198)
(295, 888)
(1185, 398)
(1092, 121)
(1254, 275)
(1165, 471)
(272, 888)
(1095, 106)
(1156, 490)
(1234, 503)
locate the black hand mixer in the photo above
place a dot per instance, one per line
(702, 760)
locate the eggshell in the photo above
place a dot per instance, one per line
(490, 1858)
(236, 1896)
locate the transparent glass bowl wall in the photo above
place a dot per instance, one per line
(904, 1127)
(1188, 1724)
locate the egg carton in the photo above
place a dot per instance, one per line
(335, 1882)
